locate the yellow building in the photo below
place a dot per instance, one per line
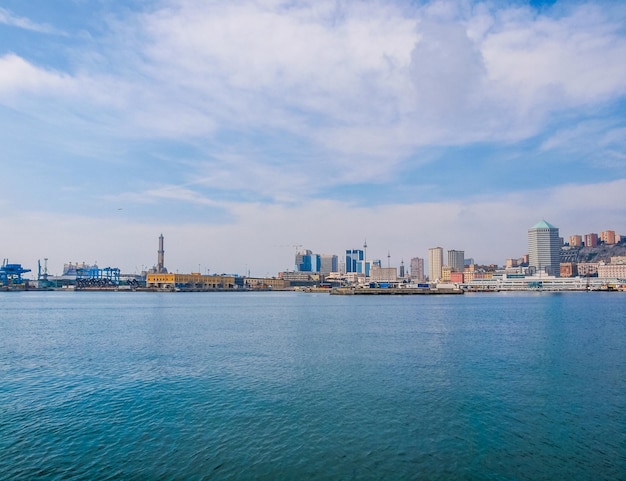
(266, 283)
(445, 273)
(195, 280)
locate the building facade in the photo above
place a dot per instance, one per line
(435, 263)
(544, 249)
(587, 269)
(612, 271)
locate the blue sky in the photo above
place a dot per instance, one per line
(242, 129)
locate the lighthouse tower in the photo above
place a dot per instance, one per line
(160, 268)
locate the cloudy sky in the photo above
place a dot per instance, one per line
(241, 130)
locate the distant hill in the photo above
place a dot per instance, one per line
(593, 254)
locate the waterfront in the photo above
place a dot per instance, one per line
(309, 386)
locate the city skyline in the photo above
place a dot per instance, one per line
(240, 130)
(320, 262)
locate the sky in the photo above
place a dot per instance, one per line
(245, 131)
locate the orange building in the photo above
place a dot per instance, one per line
(608, 237)
(576, 240)
(569, 269)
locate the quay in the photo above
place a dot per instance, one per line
(393, 291)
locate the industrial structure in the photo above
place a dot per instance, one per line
(11, 275)
(96, 277)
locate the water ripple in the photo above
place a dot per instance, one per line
(290, 387)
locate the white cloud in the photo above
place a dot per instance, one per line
(17, 75)
(442, 74)
(8, 18)
(557, 63)
(169, 192)
(311, 94)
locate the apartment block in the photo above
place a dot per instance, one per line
(576, 240)
(591, 240)
(608, 237)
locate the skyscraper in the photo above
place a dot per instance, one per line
(456, 260)
(435, 262)
(544, 248)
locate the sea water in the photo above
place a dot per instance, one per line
(293, 386)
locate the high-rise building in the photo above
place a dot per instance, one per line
(591, 240)
(328, 263)
(435, 263)
(608, 237)
(544, 249)
(417, 269)
(353, 257)
(456, 260)
(576, 240)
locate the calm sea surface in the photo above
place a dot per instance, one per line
(293, 386)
